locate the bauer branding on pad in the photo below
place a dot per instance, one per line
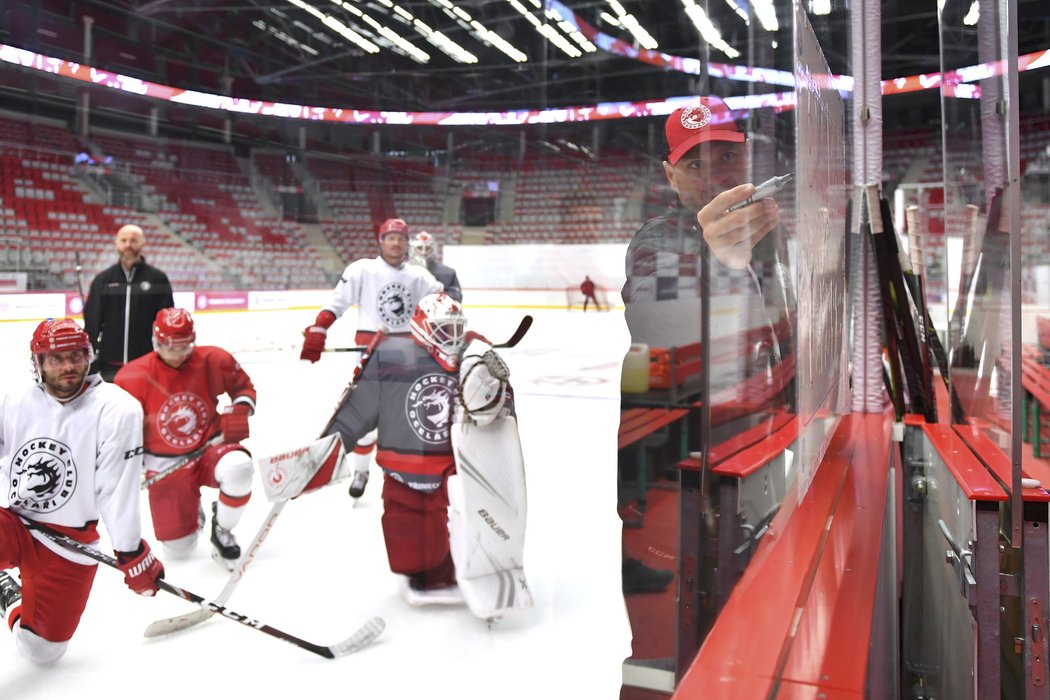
(295, 472)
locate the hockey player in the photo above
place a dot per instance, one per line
(71, 452)
(386, 291)
(409, 388)
(178, 385)
(424, 252)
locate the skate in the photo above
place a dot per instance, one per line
(225, 549)
(357, 484)
(417, 596)
(10, 593)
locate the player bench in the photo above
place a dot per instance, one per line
(636, 424)
(1035, 402)
(802, 614)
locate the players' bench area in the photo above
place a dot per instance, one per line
(801, 616)
(1035, 379)
(637, 424)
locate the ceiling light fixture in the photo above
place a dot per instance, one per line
(707, 28)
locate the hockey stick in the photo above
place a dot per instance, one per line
(523, 328)
(187, 460)
(356, 348)
(357, 641)
(77, 269)
(169, 625)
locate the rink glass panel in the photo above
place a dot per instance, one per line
(980, 208)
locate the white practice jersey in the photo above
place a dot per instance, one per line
(383, 293)
(67, 464)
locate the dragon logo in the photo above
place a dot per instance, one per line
(429, 407)
(696, 117)
(43, 476)
(182, 420)
(395, 305)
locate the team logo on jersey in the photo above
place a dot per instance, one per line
(145, 285)
(696, 117)
(182, 420)
(429, 407)
(43, 476)
(395, 305)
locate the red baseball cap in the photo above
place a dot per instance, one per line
(711, 120)
(392, 226)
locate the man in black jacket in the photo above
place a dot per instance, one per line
(122, 303)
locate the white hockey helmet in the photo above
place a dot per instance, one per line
(439, 325)
(424, 245)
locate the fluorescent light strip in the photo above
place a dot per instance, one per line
(973, 15)
(480, 32)
(625, 18)
(291, 41)
(336, 26)
(767, 15)
(707, 29)
(546, 30)
(409, 49)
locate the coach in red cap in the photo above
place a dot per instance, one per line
(706, 165)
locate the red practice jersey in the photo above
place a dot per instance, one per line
(180, 404)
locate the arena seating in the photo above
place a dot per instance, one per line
(214, 228)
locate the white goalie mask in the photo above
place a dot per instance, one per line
(439, 325)
(424, 245)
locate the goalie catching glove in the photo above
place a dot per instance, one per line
(483, 386)
(314, 336)
(234, 422)
(141, 569)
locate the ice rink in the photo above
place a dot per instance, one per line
(322, 572)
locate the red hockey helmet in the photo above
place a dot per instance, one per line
(59, 335)
(173, 327)
(439, 325)
(392, 226)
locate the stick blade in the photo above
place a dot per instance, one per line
(360, 639)
(170, 625)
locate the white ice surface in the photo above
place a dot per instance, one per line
(323, 572)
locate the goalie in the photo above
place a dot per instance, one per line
(447, 432)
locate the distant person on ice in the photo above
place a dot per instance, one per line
(587, 289)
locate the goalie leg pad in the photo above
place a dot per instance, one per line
(488, 517)
(415, 527)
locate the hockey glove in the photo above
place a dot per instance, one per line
(141, 569)
(315, 335)
(234, 422)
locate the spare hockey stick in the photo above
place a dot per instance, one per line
(357, 641)
(523, 328)
(187, 460)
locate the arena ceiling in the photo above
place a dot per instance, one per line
(446, 55)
